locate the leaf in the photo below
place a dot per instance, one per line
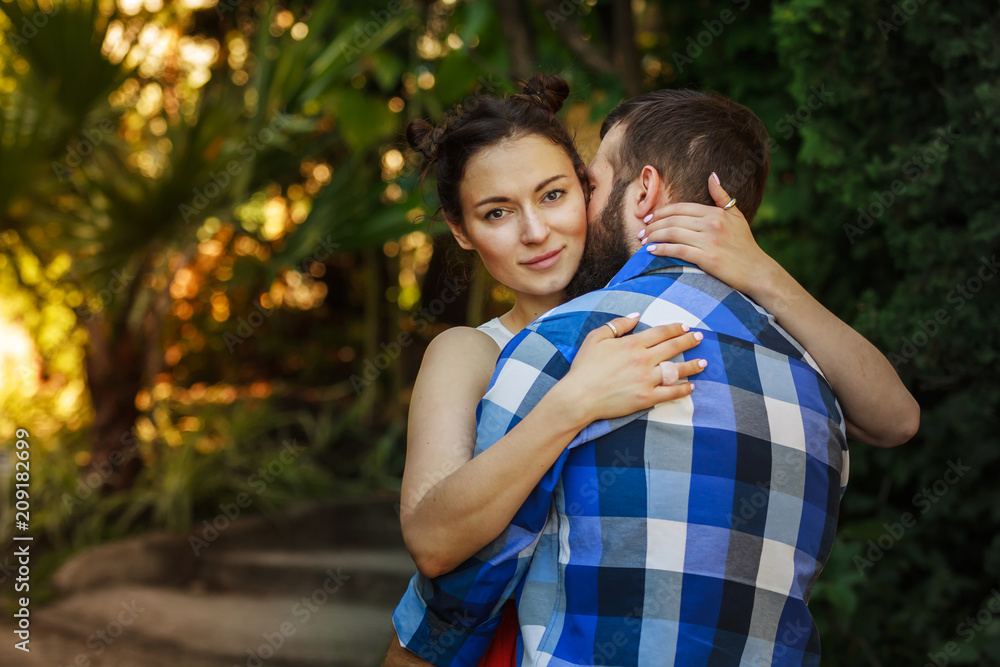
(364, 120)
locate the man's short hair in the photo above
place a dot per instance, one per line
(686, 135)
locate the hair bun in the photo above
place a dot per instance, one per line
(423, 137)
(548, 92)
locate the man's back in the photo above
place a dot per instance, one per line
(691, 535)
(687, 535)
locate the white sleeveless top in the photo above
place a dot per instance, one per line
(497, 331)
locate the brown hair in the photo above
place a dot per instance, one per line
(686, 135)
(482, 121)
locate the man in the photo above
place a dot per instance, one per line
(689, 534)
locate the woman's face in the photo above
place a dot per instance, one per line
(525, 213)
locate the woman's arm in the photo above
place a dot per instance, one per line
(453, 504)
(878, 408)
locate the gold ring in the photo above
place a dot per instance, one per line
(608, 324)
(732, 203)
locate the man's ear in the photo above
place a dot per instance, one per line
(458, 231)
(650, 192)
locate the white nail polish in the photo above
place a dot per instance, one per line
(642, 232)
(648, 218)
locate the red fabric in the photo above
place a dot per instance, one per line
(503, 649)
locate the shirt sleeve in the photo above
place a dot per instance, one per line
(450, 620)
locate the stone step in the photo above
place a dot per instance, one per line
(370, 576)
(171, 559)
(150, 627)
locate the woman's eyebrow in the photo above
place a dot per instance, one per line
(547, 181)
(538, 188)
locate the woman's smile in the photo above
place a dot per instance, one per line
(544, 260)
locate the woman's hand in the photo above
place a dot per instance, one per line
(877, 407)
(716, 239)
(616, 376)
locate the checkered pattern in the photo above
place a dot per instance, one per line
(689, 534)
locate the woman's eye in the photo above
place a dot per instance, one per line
(494, 214)
(553, 195)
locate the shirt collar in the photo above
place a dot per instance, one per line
(644, 262)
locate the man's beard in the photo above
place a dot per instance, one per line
(606, 249)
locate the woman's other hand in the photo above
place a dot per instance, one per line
(716, 239)
(613, 376)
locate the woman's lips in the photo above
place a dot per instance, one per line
(545, 260)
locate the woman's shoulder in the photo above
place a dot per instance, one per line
(464, 341)
(458, 356)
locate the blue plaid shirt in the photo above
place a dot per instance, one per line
(688, 534)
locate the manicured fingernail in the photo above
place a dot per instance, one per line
(692, 385)
(651, 247)
(716, 177)
(698, 335)
(702, 363)
(632, 316)
(648, 218)
(685, 327)
(642, 232)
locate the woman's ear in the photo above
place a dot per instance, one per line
(650, 192)
(458, 231)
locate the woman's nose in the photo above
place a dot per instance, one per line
(534, 228)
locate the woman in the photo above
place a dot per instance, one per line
(512, 188)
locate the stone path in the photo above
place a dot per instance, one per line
(313, 588)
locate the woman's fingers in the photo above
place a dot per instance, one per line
(684, 369)
(694, 223)
(719, 194)
(672, 392)
(619, 327)
(670, 348)
(674, 235)
(654, 336)
(683, 208)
